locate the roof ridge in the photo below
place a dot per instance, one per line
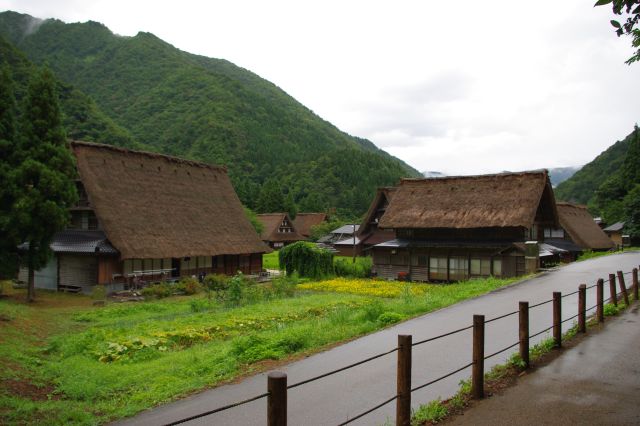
(521, 173)
(148, 154)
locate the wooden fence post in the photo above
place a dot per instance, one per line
(623, 287)
(634, 277)
(557, 319)
(277, 399)
(600, 300)
(612, 289)
(477, 372)
(524, 333)
(403, 403)
(582, 308)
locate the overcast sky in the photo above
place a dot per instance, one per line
(459, 87)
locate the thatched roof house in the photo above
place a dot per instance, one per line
(581, 228)
(454, 228)
(160, 217)
(304, 221)
(279, 230)
(156, 206)
(465, 202)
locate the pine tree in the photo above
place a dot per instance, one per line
(8, 238)
(271, 199)
(45, 175)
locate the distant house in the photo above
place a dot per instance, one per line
(279, 230)
(305, 221)
(454, 228)
(614, 232)
(577, 232)
(144, 217)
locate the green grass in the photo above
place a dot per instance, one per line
(270, 260)
(588, 254)
(97, 364)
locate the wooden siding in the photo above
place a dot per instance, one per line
(78, 271)
(438, 264)
(107, 268)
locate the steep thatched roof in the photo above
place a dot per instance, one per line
(461, 202)
(304, 221)
(378, 206)
(272, 222)
(155, 206)
(581, 227)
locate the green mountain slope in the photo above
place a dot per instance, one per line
(581, 187)
(82, 117)
(610, 184)
(210, 110)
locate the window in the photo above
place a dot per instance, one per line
(481, 267)
(137, 265)
(422, 260)
(497, 267)
(438, 268)
(458, 268)
(553, 233)
(127, 267)
(92, 221)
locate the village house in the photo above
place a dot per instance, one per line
(578, 232)
(279, 230)
(305, 221)
(147, 217)
(614, 232)
(455, 228)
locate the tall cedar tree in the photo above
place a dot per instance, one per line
(45, 175)
(8, 238)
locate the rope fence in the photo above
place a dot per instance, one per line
(277, 388)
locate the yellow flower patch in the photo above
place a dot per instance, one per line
(368, 287)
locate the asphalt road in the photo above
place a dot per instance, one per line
(337, 398)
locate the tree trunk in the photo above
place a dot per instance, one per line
(31, 286)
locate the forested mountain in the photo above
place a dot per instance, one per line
(210, 110)
(82, 118)
(610, 184)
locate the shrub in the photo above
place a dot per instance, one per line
(285, 286)
(387, 318)
(307, 259)
(345, 267)
(160, 290)
(189, 285)
(237, 289)
(434, 411)
(373, 311)
(215, 284)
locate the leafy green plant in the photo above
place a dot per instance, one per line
(189, 285)
(160, 290)
(387, 318)
(611, 310)
(433, 411)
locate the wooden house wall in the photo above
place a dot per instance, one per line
(472, 234)
(438, 264)
(107, 268)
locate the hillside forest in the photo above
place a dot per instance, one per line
(143, 93)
